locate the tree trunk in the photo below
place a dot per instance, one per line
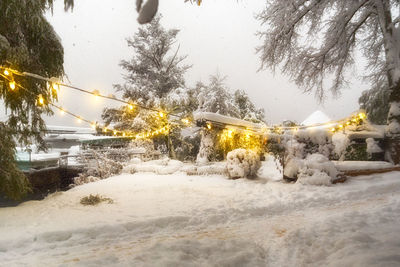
(171, 150)
(207, 144)
(392, 56)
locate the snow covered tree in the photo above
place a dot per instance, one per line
(375, 102)
(152, 72)
(247, 109)
(312, 40)
(215, 97)
(155, 78)
(27, 43)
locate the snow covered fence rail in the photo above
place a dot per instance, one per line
(221, 121)
(357, 168)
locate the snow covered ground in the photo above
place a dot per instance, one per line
(181, 220)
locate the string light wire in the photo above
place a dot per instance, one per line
(335, 125)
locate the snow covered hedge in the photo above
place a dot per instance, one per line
(242, 163)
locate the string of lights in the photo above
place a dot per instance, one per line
(129, 134)
(56, 83)
(334, 126)
(115, 132)
(355, 119)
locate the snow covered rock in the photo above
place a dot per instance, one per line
(242, 163)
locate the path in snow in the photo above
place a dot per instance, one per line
(194, 220)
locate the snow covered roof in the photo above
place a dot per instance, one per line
(221, 119)
(71, 136)
(69, 129)
(315, 118)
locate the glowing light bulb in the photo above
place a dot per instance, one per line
(6, 72)
(209, 126)
(62, 112)
(79, 120)
(105, 129)
(362, 115)
(333, 129)
(115, 132)
(12, 85)
(55, 86)
(185, 121)
(348, 123)
(93, 125)
(40, 100)
(161, 114)
(340, 126)
(130, 107)
(123, 134)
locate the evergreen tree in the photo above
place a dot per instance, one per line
(27, 43)
(375, 102)
(215, 97)
(247, 109)
(152, 73)
(155, 78)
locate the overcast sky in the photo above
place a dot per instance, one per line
(217, 36)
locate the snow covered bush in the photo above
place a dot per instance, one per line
(340, 142)
(373, 147)
(315, 141)
(315, 169)
(242, 163)
(162, 166)
(145, 145)
(99, 166)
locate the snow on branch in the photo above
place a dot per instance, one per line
(314, 40)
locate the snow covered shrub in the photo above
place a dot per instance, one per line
(230, 139)
(161, 166)
(315, 141)
(340, 142)
(373, 147)
(292, 167)
(186, 144)
(99, 166)
(146, 145)
(242, 163)
(271, 169)
(316, 169)
(83, 178)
